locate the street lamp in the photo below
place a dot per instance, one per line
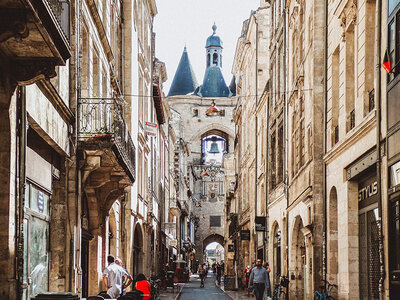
(213, 110)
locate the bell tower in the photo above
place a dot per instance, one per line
(214, 49)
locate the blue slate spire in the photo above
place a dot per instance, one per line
(184, 80)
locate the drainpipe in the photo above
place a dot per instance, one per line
(266, 236)
(286, 181)
(378, 140)
(21, 127)
(324, 232)
(256, 141)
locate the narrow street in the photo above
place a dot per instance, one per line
(192, 290)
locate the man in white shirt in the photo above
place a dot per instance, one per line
(113, 278)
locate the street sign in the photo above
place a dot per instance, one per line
(245, 235)
(260, 223)
(230, 248)
(151, 128)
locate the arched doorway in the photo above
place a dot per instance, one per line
(298, 270)
(276, 254)
(137, 251)
(332, 240)
(213, 238)
(112, 233)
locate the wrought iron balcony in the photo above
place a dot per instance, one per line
(102, 126)
(61, 12)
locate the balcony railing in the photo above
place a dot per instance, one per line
(61, 12)
(336, 134)
(101, 120)
(371, 100)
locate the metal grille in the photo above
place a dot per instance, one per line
(352, 119)
(336, 134)
(371, 100)
(61, 11)
(373, 261)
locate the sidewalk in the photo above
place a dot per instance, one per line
(170, 293)
(236, 295)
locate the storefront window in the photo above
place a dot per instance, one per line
(392, 5)
(36, 242)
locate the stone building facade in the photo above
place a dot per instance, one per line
(250, 70)
(331, 182)
(70, 156)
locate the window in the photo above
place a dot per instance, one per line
(36, 240)
(215, 59)
(392, 5)
(280, 154)
(215, 221)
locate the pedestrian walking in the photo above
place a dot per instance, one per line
(127, 278)
(258, 279)
(267, 292)
(202, 273)
(219, 273)
(113, 278)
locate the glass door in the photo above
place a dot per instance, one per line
(36, 242)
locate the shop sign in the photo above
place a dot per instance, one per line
(260, 223)
(231, 248)
(245, 235)
(368, 191)
(40, 201)
(151, 128)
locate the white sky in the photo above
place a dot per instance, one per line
(212, 245)
(189, 22)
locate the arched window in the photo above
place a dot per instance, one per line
(214, 144)
(215, 59)
(208, 59)
(277, 260)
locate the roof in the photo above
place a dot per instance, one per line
(214, 40)
(184, 80)
(214, 84)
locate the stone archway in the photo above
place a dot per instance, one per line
(298, 260)
(213, 238)
(137, 251)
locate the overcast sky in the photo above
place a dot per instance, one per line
(189, 22)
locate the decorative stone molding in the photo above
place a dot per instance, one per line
(13, 24)
(347, 12)
(30, 71)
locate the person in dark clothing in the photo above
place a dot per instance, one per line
(219, 273)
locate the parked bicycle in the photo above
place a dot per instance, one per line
(325, 290)
(279, 293)
(155, 287)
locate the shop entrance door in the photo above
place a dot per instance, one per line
(36, 242)
(369, 253)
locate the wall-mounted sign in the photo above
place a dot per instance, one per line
(40, 202)
(368, 191)
(260, 223)
(151, 128)
(245, 235)
(231, 248)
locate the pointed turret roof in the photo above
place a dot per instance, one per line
(214, 84)
(184, 80)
